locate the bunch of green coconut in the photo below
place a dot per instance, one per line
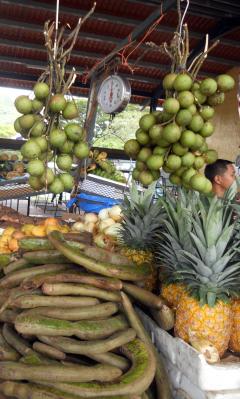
(50, 137)
(174, 139)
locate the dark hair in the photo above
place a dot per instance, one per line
(217, 168)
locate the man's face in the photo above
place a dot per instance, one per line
(227, 178)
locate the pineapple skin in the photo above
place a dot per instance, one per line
(172, 293)
(234, 343)
(212, 323)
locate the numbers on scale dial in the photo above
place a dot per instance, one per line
(113, 93)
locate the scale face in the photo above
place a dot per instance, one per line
(114, 94)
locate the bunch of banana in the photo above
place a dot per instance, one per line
(101, 166)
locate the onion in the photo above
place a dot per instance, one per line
(90, 218)
(89, 227)
(103, 214)
(105, 223)
(78, 226)
(113, 230)
(115, 213)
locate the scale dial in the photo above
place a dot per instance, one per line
(114, 94)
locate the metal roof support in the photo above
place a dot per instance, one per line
(138, 31)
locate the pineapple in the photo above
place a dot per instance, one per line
(141, 223)
(209, 269)
(178, 224)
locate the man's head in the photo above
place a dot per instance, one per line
(221, 174)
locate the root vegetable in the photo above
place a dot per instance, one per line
(33, 301)
(33, 391)
(144, 296)
(103, 214)
(164, 317)
(73, 277)
(162, 383)
(15, 278)
(111, 359)
(15, 341)
(90, 218)
(70, 345)
(134, 382)
(78, 226)
(80, 289)
(49, 351)
(113, 231)
(105, 223)
(88, 329)
(6, 351)
(103, 310)
(124, 272)
(115, 213)
(42, 257)
(57, 373)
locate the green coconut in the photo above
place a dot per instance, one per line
(196, 123)
(41, 90)
(142, 137)
(198, 142)
(182, 82)
(70, 111)
(64, 162)
(38, 129)
(81, 150)
(30, 149)
(57, 103)
(42, 142)
(140, 166)
(27, 121)
(178, 149)
(173, 162)
(35, 167)
(155, 162)
(23, 104)
(183, 117)
(171, 133)
(67, 180)
(198, 182)
(225, 82)
(144, 154)
(171, 105)
(188, 138)
(192, 109)
(185, 98)
(206, 112)
(174, 179)
(37, 105)
(188, 159)
(188, 174)
(155, 132)
(207, 129)
(132, 148)
(216, 99)
(210, 156)
(57, 186)
(146, 178)
(159, 150)
(198, 162)
(35, 183)
(74, 132)
(136, 174)
(208, 86)
(199, 97)
(147, 121)
(67, 147)
(57, 138)
(168, 81)
(47, 177)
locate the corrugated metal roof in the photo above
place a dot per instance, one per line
(22, 50)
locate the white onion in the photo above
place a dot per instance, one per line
(113, 230)
(103, 214)
(105, 223)
(89, 227)
(90, 218)
(115, 213)
(78, 226)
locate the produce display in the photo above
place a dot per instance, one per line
(69, 328)
(198, 250)
(48, 122)
(174, 139)
(10, 169)
(101, 166)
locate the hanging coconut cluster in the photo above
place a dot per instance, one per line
(174, 139)
(47, 123)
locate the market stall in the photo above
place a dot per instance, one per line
(137, 296)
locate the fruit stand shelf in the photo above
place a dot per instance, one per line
(191, 376)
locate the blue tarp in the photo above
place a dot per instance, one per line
(92, 203)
